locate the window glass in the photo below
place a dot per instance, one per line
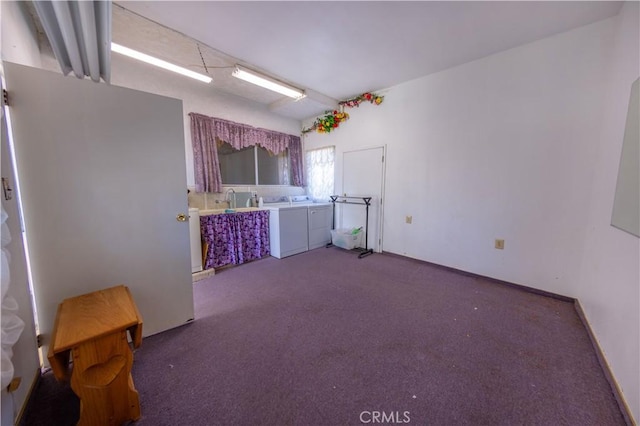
(236, 166)
(273, 169)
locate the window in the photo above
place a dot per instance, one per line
(241, 167)
(277, 157)
(320, 174)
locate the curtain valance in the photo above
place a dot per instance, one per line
(204, 132)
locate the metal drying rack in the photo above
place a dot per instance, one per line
(366, 201)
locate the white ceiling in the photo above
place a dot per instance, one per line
(337, 50)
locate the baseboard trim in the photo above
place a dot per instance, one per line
(494, 280)
(201, 275)
(602, 360)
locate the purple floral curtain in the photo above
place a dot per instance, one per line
(238, 136)
(242, 136)
(235, 238)
(218, 232)
(252, 235)
(205, 154)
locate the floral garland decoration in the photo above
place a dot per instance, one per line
(369, 97)
(332, 119)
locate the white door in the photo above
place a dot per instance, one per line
(363, 176)
(102, 177)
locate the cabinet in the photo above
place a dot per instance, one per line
(319, 225)
(288, 234)
(195, 239)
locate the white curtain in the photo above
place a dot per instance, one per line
(320, 172)
(283, 168)
(12, 325)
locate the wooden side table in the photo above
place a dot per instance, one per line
(92, 328)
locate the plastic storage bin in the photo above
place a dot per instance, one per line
(346, 239)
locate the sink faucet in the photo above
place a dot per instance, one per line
(232, 202)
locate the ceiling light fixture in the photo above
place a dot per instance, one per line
(158, 62)
(266, 82)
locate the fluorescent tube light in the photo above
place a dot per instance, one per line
(268, 83)
(158, 62)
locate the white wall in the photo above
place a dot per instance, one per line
(506, 147)
(197, 97)
(609, 286)
(502, 147)
(19, 40)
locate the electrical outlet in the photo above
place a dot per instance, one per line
(408, 219)
(500, 244)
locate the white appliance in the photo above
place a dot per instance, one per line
(287, 230)
(196, 241)
(296, 225)
(319, 223)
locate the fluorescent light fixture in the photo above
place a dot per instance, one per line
(266, 82)
(158, 62)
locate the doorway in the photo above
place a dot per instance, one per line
(363, 174)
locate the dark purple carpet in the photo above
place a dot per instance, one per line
(325, 338)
